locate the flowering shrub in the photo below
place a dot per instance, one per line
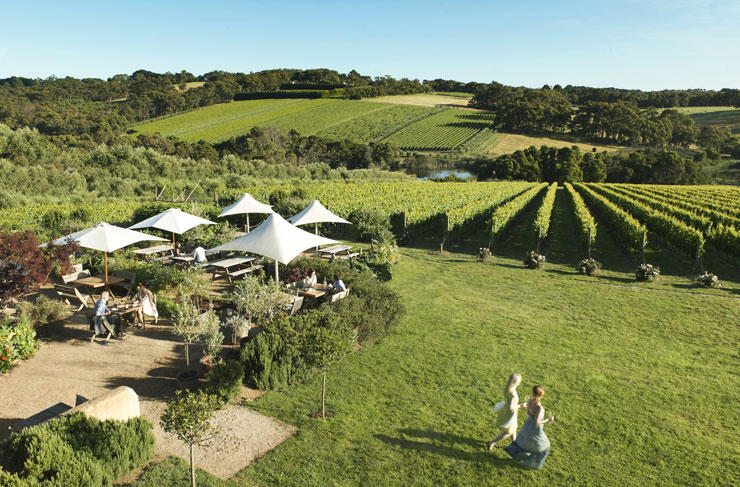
(590, 267)
(708, 280)
(533, 260)
(17, 342)
(483, 254)
(647, 273)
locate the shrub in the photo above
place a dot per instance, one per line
(484, 253)
(374, 262)
(533, 260)
(369, 224)
(708, 280)
(17, 341)
(225, 381)
(589, 267)
(77, 450)
(647, 273)
(45, 314)
(270, 362)
(174, 472)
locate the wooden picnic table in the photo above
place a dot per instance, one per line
(157, 249)
(184, 259)
(94, 282)
(316, 291)
(336, 251)
(230, 265)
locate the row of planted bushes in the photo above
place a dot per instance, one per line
(276, 356)
(75, 450)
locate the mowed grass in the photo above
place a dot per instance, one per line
(509, 143)
(642, 379)
(459, 100)
(720, 116)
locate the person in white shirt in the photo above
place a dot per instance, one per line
(200, 255)
(311, 278)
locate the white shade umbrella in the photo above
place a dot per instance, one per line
(315, 213)
(244, 206)
(173, 220)
(106, 238)
(276, 239)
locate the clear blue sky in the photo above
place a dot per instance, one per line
(646, 44)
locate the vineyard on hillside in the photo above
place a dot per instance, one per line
(410, 127)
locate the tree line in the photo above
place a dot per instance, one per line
(569, 164)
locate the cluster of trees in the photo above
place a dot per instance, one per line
(35, 167)
(569, 164)
(620, 121)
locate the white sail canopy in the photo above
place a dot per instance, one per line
(277, 239)
(315, 213)
(246, 204)
(173, 220)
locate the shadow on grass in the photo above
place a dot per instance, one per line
(446, 444)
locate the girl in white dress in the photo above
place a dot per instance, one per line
(148, 307)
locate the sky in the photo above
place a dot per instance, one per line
(642, 44)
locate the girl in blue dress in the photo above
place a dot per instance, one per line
(532, 445)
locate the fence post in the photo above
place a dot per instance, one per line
(644, 244)
(698, 264)
(539, 237)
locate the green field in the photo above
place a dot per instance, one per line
(412, 126)
(721, 116)
(642, 377)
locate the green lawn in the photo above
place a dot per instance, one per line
(643, 378)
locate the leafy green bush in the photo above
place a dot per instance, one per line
(44, 314)
(369, 224)
(374, 262)
(17, 341)
(270, 362)
(225, 381)
(77, 450)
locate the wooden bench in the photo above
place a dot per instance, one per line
(67, 278)
(340, 295)
(72, 292)
(241, 272)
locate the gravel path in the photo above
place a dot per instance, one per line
(147, 361)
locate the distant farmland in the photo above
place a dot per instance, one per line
(719, 116)
(410, 126)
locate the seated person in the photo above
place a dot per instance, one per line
(148, 306)
(101, 312)
(311, 278)
(200, 255)
(177, 251)
(338, 285)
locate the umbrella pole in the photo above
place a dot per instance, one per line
(247, 227)
(106, 270)
(276, 271)
(173, 243)
(316, 226)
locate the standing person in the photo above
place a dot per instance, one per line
(532, 445)
(101, 312)
(200, 255)
(148, 307)
(506, 418)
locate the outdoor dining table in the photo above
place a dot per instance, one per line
(123, 309)
(228, 265)
(94, 282)
(316, 291)
(336, 250)
(184, 259)
(157, 249)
